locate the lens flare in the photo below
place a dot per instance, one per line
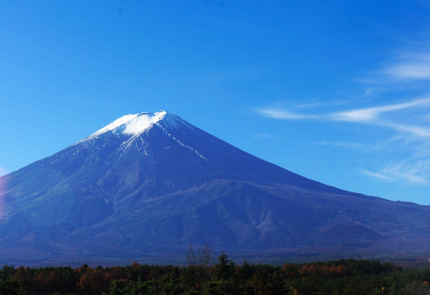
(2, 193)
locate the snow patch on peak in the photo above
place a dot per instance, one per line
(142, 122)
(132, 124)
(115, 124)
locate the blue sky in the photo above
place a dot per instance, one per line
(337, 91)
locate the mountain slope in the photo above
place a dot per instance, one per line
(151, 184)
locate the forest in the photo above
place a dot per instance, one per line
(224, 276)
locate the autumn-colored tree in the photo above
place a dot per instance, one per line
(94, 281)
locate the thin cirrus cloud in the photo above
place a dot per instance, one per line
(406, 70)
(370, 115)
(417, 131)
(410, 71)
(284, 115)
(407, 171)
(376, 174)
(409, 66)
(414, 170)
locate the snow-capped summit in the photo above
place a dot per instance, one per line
(133, 124)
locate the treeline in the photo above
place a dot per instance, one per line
(223, 277)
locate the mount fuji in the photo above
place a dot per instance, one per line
(148, 185)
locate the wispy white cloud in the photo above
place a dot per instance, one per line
(367, 114)
(283, 114)
(410, 71)
(413, 172)
(370, 116)
(406, 69)
(409, 66)
(417, 131)
(378, 175)
(267, 136)
(3, 171)
(412, 137)
(349, 145)
(308, 105)
(405, 73)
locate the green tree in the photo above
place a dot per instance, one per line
(224, 267)
(11, 287)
